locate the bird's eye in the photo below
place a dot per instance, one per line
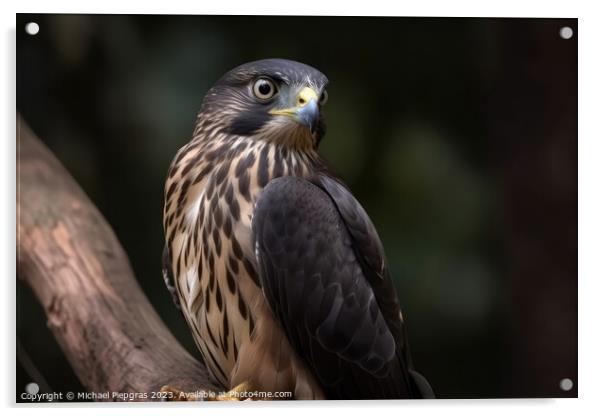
(323, 97)
(264, 89)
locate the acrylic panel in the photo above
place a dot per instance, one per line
(297, 181)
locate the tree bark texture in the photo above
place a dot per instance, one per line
(73, 262)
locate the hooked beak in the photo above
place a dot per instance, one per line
(306, 111)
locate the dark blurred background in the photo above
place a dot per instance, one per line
(458, 135)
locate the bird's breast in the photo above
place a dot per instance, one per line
(212, 250)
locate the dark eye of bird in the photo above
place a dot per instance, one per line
(264, 89)
(323, 97)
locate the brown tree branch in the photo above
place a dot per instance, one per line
(70, 257)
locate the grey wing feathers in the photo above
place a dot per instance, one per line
(368, 250)
(320, 287)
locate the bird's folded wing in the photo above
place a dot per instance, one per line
(317, 282)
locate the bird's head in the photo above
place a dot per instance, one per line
(273, 99)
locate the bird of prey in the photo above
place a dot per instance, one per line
(276, 267)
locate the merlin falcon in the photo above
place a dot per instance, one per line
(276, 267)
